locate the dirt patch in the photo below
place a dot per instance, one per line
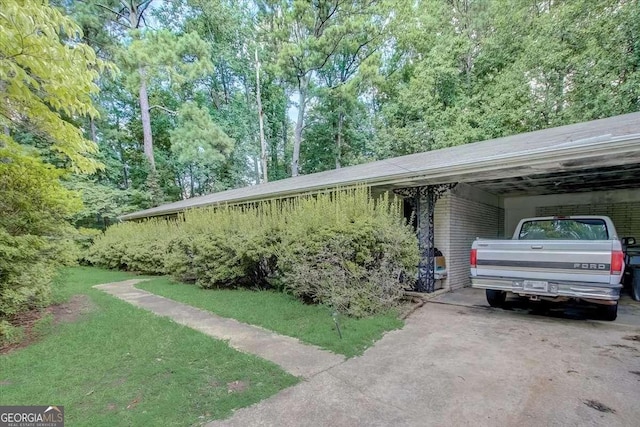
(632, 338)
(237, 386)
(118, 381)
(67, 312)
(72, 310)
(598, 406)
(635, 372)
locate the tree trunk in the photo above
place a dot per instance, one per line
(93, 130)
(178, 182)
(125, 173)
(285, 138)
(263, 141)
(297, 139)
(145, 116)
(223, 79)
(256, 168)
(339, 140)
(192, 186)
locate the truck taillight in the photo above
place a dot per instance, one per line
(617, 262)
(473, 259)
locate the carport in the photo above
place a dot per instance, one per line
(588, 184)
(483, 189)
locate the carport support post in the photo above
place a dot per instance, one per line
(424, 203)
(425, 208)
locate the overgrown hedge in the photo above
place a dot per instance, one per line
(343, 249)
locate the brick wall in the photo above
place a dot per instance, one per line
(625, 215)
(441, 224)
(468, 219)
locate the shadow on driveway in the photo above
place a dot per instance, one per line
(628, 310)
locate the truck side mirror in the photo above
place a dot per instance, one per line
(628, 241)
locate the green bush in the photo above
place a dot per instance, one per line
(226, 247)
(341, 248)
(35, 235)
(10, 334)
(85, 237)
(25, 272)
(348, 251)
(131, 246)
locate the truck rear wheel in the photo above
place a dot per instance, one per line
(634, 286)
(610, 312)
(496, 298)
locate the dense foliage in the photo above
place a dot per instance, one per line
(34, 236)
(165, 100)
(34, 78)
(341, 82)
(37, 103)
(342, 248)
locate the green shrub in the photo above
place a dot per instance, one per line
(35, 235)
(349, 252)
(342, 248)
(25, 275)
(10, 334)
(85, 237)
(226, 247)
(140, 247)
(109, 249)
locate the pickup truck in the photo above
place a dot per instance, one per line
(553, 259)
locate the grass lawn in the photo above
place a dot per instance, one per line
(281, 313)
(117, 365)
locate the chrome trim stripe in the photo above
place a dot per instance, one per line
(578, 266)
(548, 270)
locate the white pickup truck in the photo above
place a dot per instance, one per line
(553, 259)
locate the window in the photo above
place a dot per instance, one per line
(564, 229)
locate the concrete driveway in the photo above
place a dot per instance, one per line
(457, 365)
(628, 309)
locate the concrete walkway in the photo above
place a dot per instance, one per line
(299, 359)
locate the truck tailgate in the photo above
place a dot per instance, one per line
(576, 261)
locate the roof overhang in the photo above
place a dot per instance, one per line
(610, 152)
(602, 143)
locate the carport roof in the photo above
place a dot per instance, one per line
(609, 142)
